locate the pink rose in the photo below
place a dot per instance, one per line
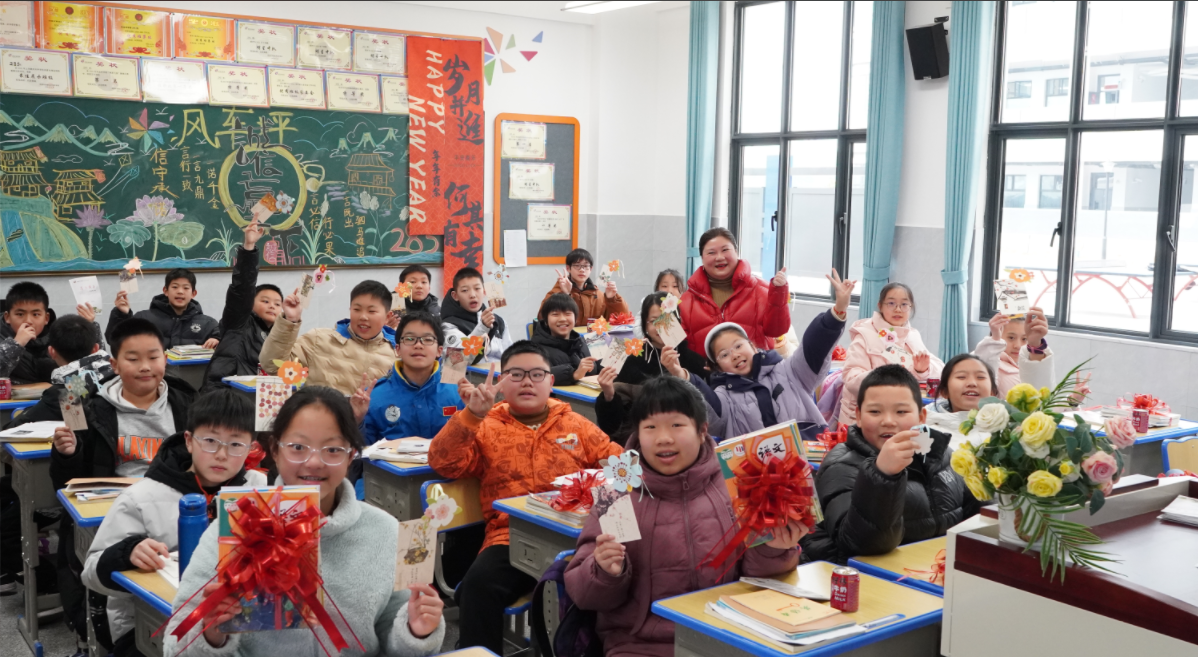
(1121, 431)
(1100, 467)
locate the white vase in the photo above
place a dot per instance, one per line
(1010, 514)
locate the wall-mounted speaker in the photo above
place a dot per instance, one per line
(929, 51)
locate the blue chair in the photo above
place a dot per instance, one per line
(545, 617)
(1180, 454)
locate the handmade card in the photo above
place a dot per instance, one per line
(237, 85)
(610, 270)
(1011, 297)
(395, 94)
(305, 290)
(16, 23)
(403, 292)
(923, 440)
(415, 561)
(70, 402)
(616, 514)
(323, 47)
(265, 43)
(669, 324)
(69, 26)
(453, 367)
(128, 281)
(530, 181)
(296, 87)
(549, 222)
(599, 345)
(177, 82)
(38, 72)
(269, 394)
(138, 32)
(203, 37)
(524, 141)
(378, 53)
(87, 290)
(353, 92)
(116, 78)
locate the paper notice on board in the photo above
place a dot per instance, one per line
(515, 248)
(549, 222)
(522, 140)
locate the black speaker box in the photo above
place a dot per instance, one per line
(929, 51)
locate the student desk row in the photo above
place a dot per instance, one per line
(581, 398)
(190, 370)
(30, 464)
(87, 517)
(10, 407)
(152, 598)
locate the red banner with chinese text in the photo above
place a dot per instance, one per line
(445, 147)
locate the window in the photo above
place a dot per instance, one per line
(1112, 158)
(798, 139)
(1019, 89)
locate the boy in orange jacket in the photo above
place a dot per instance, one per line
(514, 448)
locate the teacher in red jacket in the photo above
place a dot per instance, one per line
(724, 290)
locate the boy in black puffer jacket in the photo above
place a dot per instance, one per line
(877, 493)
(569, 357)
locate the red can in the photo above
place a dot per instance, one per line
(1139, 418)
(933, 386)
(5, 389)
(846, 588)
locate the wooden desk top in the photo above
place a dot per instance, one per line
(85, 514)
(893, 564)
(29, 450)
(879, 598)
(402, 469)
(577, 393)
(518, 507)
(150, 587)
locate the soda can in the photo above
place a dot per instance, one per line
(846, 589)
(1139, 417)
(933, 386)
(5, 389)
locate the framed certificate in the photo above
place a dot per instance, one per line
(395, 94)
(176, 82)
(379, 53)
(237, 85)
(265, 43)
(296, 87)
(525, 141)
(531, 181)
(549, 222)
(138, 32)
(353, 92)
(16, 23)
(69, 26)
(203, 37)
(111, 76)
(324, 47)
(43, 72)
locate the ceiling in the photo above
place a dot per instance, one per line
(550, 11)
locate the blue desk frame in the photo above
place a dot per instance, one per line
(161, 606)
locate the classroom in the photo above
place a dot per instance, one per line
(598, 328)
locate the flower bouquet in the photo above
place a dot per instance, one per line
(1042, 471)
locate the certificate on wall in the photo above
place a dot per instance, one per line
(35, 72)
(16, 23)
(324, 47)
(237, 85)
(69, 26)
(531, 181)
(106, 77)
(379, 53)
(353, 92)
(525, 141)
(176, 82)
(296, 87)
(395, 94)
(203, 37)
(549, 222)
(265, 43)
(138, 32)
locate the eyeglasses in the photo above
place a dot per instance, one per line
(426, 340)
(890, 305)
(537, 375)
(300, 453)
(212, 446)
(739, 345)
(580, 266)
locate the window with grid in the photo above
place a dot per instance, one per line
(1110, 153)
(801, 85)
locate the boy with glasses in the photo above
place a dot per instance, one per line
(141, 530)
(411, 401)
(514, 448)
(576, 282)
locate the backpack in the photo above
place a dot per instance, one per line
(575, 635)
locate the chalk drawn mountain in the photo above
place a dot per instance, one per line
(24, 134)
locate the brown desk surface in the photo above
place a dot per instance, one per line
(152, 582)
(916, 556)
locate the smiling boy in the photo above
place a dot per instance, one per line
(175, 312)
(569, 356)
(465, 313)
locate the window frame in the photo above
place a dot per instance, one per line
(846, 137)
(1174, 130)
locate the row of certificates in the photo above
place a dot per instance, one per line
(77, 27)
(52, 73)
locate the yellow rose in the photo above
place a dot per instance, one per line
(997, 476)
(1025, 397)
(964, 462)
(1038, 429)
(1043, 483)
(1067, 468)
(1045, 393)
(974, 482)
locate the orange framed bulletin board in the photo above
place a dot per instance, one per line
(536, 185)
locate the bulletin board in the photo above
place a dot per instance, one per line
(561, 150)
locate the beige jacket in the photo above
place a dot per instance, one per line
(332, 359)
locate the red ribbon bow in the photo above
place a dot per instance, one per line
(1145, 402)
(936, 574)
(274, 556)
(254, 458)
(1182, 473)
(769, 495)
(839, 353)
(830, 439)
(622, 319)
(577, 493)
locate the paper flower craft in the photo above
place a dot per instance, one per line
(622, 319)
(500, 274)
(284, 203)
(1021, 275)
(616, 267)
(320, 275)
(473, 345)
(134, 265)
(839, 353)
(599, 326)
(669, 304)
(292, 373)
(441, 507)
(404, 290)
(76, 388)
(269, 202)
(623, 472)
(634, 346)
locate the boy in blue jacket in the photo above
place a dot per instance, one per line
(411, 401)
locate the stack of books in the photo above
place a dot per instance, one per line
(32, 432)
(400, 450)
(1183, 510)
(814, 451)
(781, 618)
(591, 382)
(189, 352)
(566, 479)
(542, 505)
(97, 489)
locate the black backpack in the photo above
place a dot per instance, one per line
(575, 635)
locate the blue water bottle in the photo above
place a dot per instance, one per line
(193, 520)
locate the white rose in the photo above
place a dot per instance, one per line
(992, 417)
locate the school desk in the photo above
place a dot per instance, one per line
(395, 487)
(190, 370)
(31, 481)
(536, 540)
(1147, 605)
(87, 517)
(1145, 456)
(10, 406)
(244, 386)
(699, 634)
(152, 599)
(897, 564)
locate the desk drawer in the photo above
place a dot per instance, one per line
(83, 541)
(533, 547)
(398, 496)
(146, 621)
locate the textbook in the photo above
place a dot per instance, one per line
(96, 489)
(777, 441)
(542, 505)
(784, 640)
(32, 432)
(783, 612)
(400, 450)
(189, 352)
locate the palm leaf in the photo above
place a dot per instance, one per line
(1059, 396)
(1062, 541)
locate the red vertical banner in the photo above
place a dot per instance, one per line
(445, 147)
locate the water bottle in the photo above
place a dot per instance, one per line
(193, 520)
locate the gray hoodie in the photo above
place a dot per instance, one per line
(140, 431)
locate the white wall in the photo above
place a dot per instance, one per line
(630, 67)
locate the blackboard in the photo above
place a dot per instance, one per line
(561, 149)
(87, 184)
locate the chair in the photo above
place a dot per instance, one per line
(466, 493)
(546, 616)
(530, 327)
(1180, 454)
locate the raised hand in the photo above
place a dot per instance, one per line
(998, 324)
(844, 291)
(424, 610)
(563, 280)
(64, 441)
(25, 334)
(253, 232)
(122, 302)
(609, 554)
(670, 361)
(610, 291)
(360, 401)
(149, 555)
(607, 382)
(780, 279)
(897, 453)
(584, 368)
(488, 317)
(292, 309)
(922, 361)
(393, 319)
(482, 397)
(86, 311)
(1036, 327)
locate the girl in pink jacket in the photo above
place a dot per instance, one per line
(885, 338)
(683, 514)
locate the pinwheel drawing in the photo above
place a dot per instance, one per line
(150, 133)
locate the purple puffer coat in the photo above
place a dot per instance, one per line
(687, 516)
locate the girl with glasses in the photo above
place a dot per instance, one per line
(313, 440)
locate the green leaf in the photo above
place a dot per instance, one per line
(1016, 451)
(1018, 416)
(182, 234)
(992, 400)
(1072, 446)
(370, 231)
(128, 232)
(1097, 499)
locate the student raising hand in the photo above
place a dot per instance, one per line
(607, 382)
(86, 311)
(122, 302)
(292, 309)
(482, 397)
(253, 232)
(563, 280)
(360, 401)
(670, 361)
(64, 441)
(997, 324)
(922, 361)
(897, 453)
(609, 554)
(780, 279)
(844, 292)
(610, 292)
